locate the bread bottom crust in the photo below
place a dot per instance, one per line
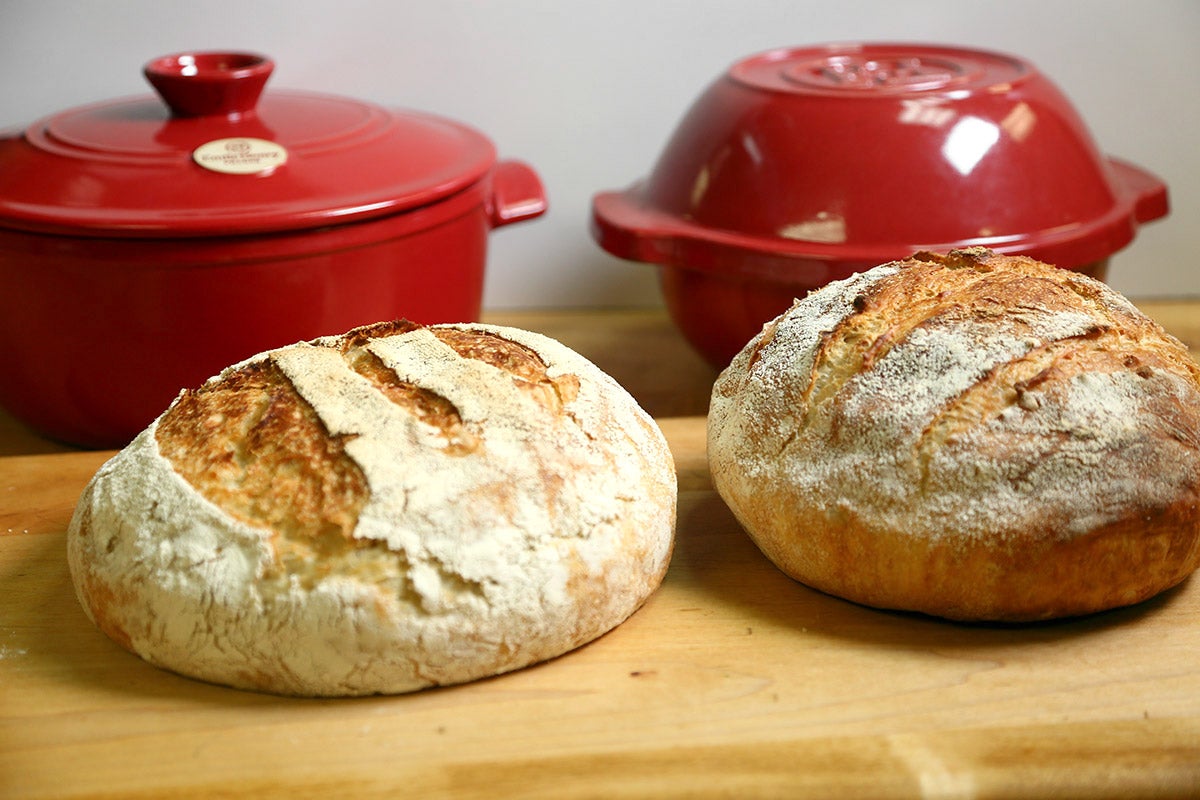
(1023, 577)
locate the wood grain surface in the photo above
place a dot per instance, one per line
(732, 681)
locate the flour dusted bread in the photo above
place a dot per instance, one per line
(972, 436)
(396, 508)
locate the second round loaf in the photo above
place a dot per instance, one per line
(972, 436)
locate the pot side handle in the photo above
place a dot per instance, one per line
(517, 194)
(1149, 193)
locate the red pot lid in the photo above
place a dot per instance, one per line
(862, 153)
(210, 156)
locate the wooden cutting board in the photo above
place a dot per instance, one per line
(733, 681)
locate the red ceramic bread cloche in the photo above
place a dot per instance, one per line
(801, 166)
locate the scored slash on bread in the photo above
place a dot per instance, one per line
(399, 507)
(973, 436)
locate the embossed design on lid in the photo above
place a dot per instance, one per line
(879, 69)
(887, 72)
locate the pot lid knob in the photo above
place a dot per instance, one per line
(209, 83)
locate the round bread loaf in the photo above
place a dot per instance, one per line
(971, 436)
(396, 508)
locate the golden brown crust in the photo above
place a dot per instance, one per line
(970, 435)
(1035, 577)
(252, 446)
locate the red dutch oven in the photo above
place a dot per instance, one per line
(801, 166)
(147, 243)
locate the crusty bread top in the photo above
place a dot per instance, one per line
(395, 508)
(972, 395)
(298, 443)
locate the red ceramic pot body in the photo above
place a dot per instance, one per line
(132, 270)
(802, 166)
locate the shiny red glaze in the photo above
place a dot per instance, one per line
(126, 167)
(201, 84)
(802, 166)
(128, 272)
